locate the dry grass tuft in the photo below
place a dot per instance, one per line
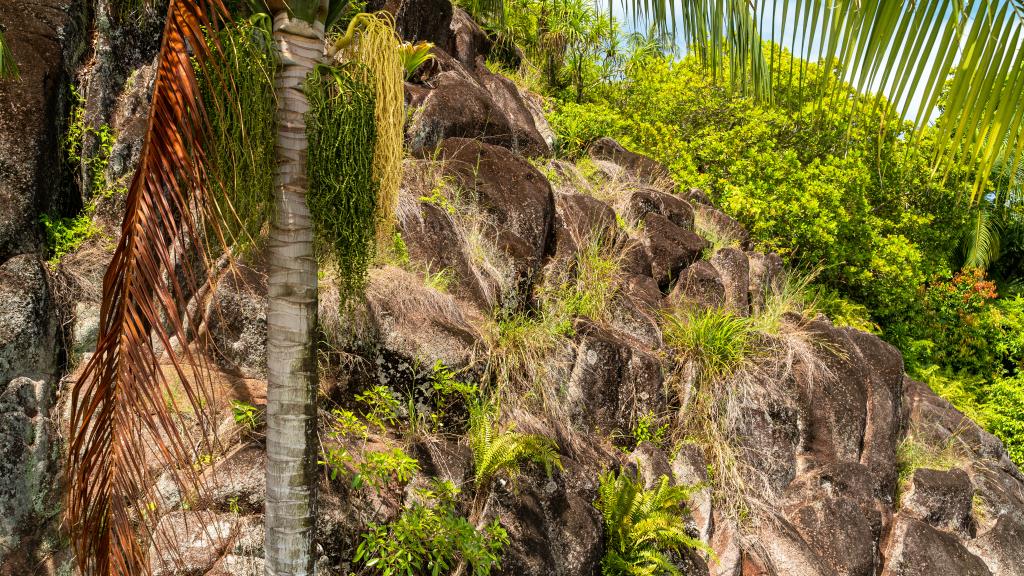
(717, 237)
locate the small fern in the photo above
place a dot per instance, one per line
(496, 452)
(643, 528)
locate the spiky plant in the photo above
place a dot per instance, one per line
(717, 341)
(414, 56)
(643, 528)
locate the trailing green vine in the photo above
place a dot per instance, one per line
(370, 40)
(239, 100)
(342, 196)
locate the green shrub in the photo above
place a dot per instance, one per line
(64, 235)
(431, 538)
(577, 126)
(246, 415)
(382, 407)
(380, 467)
(648, 429)
(1004, 415)
(450, 398)
(643, 528)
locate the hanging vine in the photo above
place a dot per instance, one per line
(239, 100)
(370, 40)
(343, 192)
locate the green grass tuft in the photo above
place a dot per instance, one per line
(716, 340)
(914, 453)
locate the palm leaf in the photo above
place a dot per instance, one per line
(981, 242)
(126, 398)
(8, 66)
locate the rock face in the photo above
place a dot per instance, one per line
(238, 321)
(509, 190)
(800, 476)
(47, 38)
(29, 363)
(461, 98)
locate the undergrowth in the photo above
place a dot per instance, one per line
(66, 234)
(588, 291)
(914, 453)
(716, 237)
(431, 537)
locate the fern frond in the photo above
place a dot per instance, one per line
(126, 406)
(496, 452)
(642, 526)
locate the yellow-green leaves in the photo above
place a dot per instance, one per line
(8, 66)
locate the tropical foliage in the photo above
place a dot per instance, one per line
(430, 537)
(644, 529)
(497, 451)
(819, 171)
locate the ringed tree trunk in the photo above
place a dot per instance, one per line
(291, 322)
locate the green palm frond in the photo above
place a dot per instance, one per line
(642, 527)
(496, 452)
(981, 242)
(8, 66)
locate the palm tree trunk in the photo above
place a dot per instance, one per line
(291, 321)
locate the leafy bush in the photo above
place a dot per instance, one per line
(643, 528)
(431, 539)
(1004, 415)
(577, 126)
(648, 429)
(246, 415)
(382, 467)
(996, 405)
(64, 235)
(382, 406)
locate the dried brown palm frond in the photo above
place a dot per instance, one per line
(123, 411)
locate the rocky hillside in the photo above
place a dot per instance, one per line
(569, 290)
